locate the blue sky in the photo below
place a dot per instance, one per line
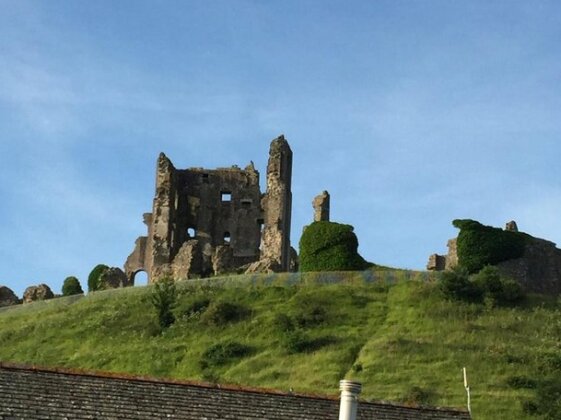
(410, 113)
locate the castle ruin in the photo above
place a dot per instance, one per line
(213, 221)
(537, 270)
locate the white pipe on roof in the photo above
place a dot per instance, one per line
(349, 399)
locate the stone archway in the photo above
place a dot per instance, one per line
(139, 278)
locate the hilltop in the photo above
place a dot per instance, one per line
(393, 330)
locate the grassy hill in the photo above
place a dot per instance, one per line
(393, 331)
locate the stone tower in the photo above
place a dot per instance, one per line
(277, 205)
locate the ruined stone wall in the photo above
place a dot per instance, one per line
(538, 270)
(277, 205)
(321, 207)
(206, 222)
(159, 251)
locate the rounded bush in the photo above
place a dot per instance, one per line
(222, 353)
(496, 288)
(94, 277)
(329, 246)
(71, 286)
(222, 313)
(455, 284)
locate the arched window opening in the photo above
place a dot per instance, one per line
(227, 238)
(140, 278)
(191, 233)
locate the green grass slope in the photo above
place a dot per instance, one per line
(394, 333)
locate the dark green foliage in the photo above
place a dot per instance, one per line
(547, 402)
(551, 361)
(455, 284)
(297, 341)
(222, 353)
(71, 286)
(496, 288)
(164, 299)
(311, 315)
(480, 245)
(283, 323)
(357, 367)
(196, 307)
(94, 279)
(222, 313)
(521, 382)
(292, 330)
(418, 396)
(487, 285)
(328, 246)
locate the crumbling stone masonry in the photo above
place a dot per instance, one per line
(40, 292)
(537, 270)
(321, 207)
(206, 222)
(7, 297)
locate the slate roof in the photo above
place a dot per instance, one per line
(28, 392)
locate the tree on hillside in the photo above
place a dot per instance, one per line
(164, 299)
(71, 286)
(94, 282)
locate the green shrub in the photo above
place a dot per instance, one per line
(328, 246)
(196, 308)
(164, 299)
(486, 286)
(311, 315)
(94, 277)
(455, 284)
(547, 401)
(357, 367)
(222, 313)
(283, 323)
(418, 396)
(521, 382)
(480, 245)
(496, 288)
(222, 353)
(296, 341)
(71, 286)
(551, 361)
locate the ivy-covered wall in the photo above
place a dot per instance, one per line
(479, 245)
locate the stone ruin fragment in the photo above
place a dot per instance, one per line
(213, 221)
(39, 292)
(537, 270)
(321, 207)
(7, 297)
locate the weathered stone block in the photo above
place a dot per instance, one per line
(113, 278)
(321, 207)
(7, 297)
(436, 262)
(222, 260)
(40, 292)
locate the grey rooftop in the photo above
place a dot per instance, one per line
(28, 392)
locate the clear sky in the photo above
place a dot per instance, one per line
(410, 113)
